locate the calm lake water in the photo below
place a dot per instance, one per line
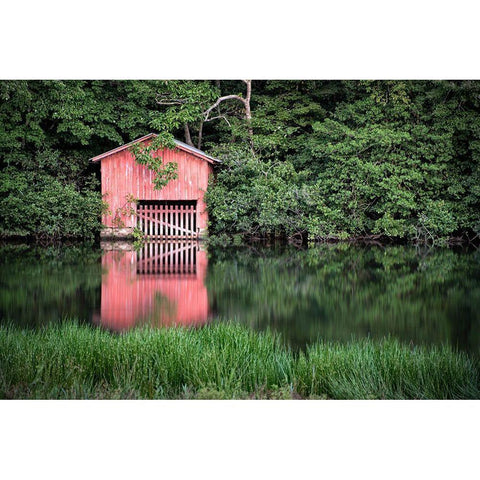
(332, 292)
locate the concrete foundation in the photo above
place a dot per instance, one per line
(114, 233)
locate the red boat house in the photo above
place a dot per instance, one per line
(177, 211)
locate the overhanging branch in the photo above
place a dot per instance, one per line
(219, 101)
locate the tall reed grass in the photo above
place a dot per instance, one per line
(222, 361)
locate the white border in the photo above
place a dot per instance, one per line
(345, 39)
(411, 39)
(239, 439)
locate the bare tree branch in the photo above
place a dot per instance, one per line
(220, 100)
(246, 104)
(217, 118)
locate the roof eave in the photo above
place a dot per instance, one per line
(147, 137)
(199, 155)
(122, 147)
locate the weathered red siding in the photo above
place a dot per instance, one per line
(122, 176)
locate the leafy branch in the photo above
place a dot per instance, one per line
(148, 156)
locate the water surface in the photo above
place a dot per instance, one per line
(331, 292)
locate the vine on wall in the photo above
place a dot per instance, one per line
(144, 155)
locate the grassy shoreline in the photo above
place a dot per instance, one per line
(222, 361)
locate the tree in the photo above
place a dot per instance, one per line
(192, 104)
(246, 103)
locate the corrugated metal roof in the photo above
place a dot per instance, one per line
(180, 145)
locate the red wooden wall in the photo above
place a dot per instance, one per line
(122, 176)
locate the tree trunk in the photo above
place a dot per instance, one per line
(188, 138)
(200, 134)
(248, 112)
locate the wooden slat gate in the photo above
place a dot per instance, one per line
(170, 221)
(163, 257)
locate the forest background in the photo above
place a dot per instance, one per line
(323, 160)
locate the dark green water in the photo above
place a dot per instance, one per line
(337, 292)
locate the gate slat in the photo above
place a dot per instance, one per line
(175, 220)
(150, 213)
(155, 226)
(164, 218)
(181, 218)
(168, 221)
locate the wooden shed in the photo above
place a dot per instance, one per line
(177, 211)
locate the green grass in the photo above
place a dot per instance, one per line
(221, 361)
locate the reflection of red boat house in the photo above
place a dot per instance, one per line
(162, 284)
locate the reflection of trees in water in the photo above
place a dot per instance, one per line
(41, 285)
(340, 291)
(330, 291)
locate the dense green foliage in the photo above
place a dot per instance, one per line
(258, 197)
(221, 361)
(399, 161)
(39, 204)
(323, 159)
(386, 159)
